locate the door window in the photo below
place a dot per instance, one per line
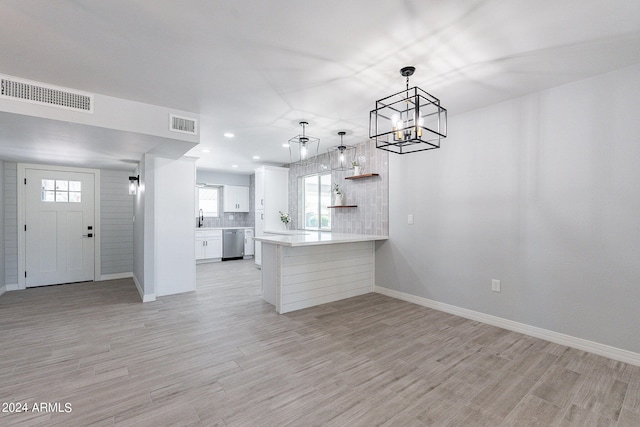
(55, 190)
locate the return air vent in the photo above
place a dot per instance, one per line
(183, 124)
(43, 94)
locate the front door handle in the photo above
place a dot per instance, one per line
(88, 235)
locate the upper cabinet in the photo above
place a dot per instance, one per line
(236, 198)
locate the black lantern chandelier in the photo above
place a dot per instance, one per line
(341, 156)
(306, 147)
(408, 121)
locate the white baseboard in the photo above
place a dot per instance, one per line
(8, 288)
(145, 298)
(114, 276)
(556, 337)
(208, 260)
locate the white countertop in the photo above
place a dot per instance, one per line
(221, 228)
(288, 232)
(311, 238)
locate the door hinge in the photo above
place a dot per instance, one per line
(25, 274)
(25, 181)
(25, 227)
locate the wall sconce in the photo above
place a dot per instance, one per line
(134, 182)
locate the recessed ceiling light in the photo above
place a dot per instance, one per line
(206, 151)
(256, 157)
(234, 166)
(229, 135)
(286, 145)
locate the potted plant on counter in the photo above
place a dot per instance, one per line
(285, 218)
(339, 195)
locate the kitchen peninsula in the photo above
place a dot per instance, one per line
(310, 268)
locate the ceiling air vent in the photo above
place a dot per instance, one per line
(43, 94)
(183, 124)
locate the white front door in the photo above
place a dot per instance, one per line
(59, 227)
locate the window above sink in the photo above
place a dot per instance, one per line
(208, 200)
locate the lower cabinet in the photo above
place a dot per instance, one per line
(208, 245)
(248, 242)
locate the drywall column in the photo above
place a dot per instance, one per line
(174, 229)
(143, 246)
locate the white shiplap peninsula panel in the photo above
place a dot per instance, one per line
(320, 274)
(302, 269)
(305, 276)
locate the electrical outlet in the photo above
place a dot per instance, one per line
(495, 285)
(410, 219)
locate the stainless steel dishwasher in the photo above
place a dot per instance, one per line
(232, 244)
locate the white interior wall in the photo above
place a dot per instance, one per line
(149, 195)
(175, 267)
(138, 229)
(2, 278)
(540, 192)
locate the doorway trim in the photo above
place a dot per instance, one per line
(22, 167)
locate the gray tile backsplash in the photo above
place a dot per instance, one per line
(371, 195)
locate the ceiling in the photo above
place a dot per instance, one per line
(257, 68)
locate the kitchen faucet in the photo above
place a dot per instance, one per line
(201, 219)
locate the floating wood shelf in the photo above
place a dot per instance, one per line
(342, 206)
(366, 175)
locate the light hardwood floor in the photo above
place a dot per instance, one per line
(222, 357)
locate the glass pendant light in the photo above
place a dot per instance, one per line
(341, 156)
(303, 148)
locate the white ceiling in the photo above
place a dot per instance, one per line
(256, 68)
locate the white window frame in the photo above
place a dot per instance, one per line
(206, 213)
(303, 221)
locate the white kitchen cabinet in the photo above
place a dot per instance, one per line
(248, 242)
(259, 190)
(208, 245)
(271, 198)
(272, 195)
(200, 245)
(259, 231)
(236, 198)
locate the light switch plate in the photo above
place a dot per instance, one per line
(495, 285)
(410, 219)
